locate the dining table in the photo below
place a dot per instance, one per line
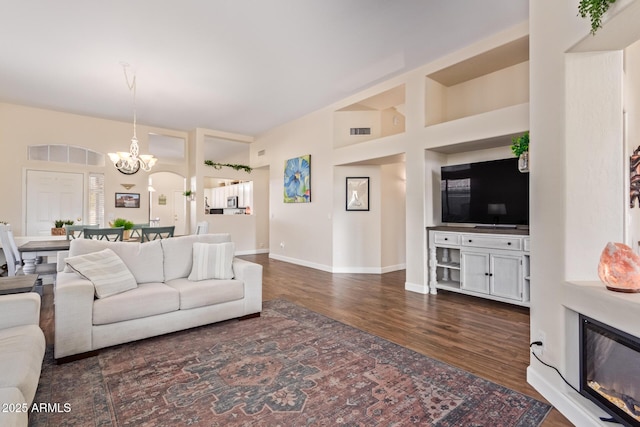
(33, 249)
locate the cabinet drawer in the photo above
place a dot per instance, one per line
(440, 238)
(527, 244)
(492, 242)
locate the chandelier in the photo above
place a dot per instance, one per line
(131, 162)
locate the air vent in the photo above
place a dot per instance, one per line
(261, 153)
(360, 131)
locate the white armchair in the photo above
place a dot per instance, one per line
(22, 347)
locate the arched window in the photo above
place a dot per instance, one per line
(65, 154)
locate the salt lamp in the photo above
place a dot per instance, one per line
(619, 268)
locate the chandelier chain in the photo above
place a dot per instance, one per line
(132, 88)
(129, 163)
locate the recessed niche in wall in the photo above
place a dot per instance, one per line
(166, 147)
(495, 79)
(501, 141)
(382, 114)
(222, 150)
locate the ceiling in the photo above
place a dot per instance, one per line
(241, 66)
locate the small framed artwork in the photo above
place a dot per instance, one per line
(357, 193)
(127, 200)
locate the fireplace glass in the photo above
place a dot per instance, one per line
(610, 370)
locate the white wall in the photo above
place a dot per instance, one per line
(595, 191)
(393, 217)
(304, 229)
(167, 184)
(357, 234)
(632, 109)
(345, 120)
(576, 179)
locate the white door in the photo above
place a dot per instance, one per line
(179, 209)
(52, 196)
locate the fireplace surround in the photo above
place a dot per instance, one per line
(610, 370)
(591, 299)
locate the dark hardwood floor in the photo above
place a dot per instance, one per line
(487, 338)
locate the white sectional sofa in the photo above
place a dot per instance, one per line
(22, 347)
(167, 297)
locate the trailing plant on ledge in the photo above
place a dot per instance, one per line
(595, 9)
(245, 168)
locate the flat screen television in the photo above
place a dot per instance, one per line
(488, 193)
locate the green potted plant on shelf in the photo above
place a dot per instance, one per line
(520, 149)
(191, 195)
(126, 225)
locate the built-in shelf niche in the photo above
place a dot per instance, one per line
(495, 79)
(383, 114)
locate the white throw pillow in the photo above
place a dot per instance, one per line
(105, 269)
(212, 261)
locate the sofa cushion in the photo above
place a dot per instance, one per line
(21, 353)
(206, 292)
(148, 299)
(144, 260)
(178, 252)
(212, 261)
(11, 395)
(105, 269)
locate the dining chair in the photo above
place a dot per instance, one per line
(76, 231)
(136, 231)
(14, 259)
(153, 233)
(202, 227)
(112, 234)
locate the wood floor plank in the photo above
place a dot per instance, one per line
(487, 338)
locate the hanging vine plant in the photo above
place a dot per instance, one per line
(218, 166)
(594, 9)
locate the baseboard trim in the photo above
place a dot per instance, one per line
(301, 262)
(253, 252)
(390, 268)
(368, 270)
(572, 405)
(339, 270)
(416, 287)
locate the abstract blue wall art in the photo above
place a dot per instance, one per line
(297, 180)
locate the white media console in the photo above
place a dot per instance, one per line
(488, 263)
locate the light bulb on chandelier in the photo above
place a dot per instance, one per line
(130, 162)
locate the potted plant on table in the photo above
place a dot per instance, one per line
(520, 148)
(59, 224)
(126, 225)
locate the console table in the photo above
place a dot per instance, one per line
(488, 263)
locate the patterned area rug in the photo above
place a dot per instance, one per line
(290, 367)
